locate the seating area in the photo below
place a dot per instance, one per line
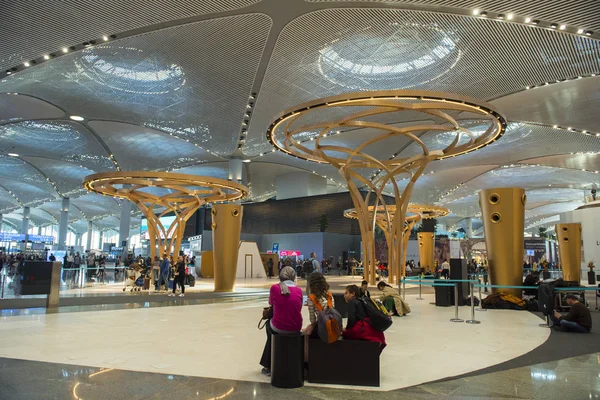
(345, 362)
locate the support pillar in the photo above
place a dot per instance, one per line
(503, 216)
(426, 246)
(227, 227)
(469, 228)
(124, 226)
(64, 223)
(25, 223)
(78, 238)
(1, 217)
(101, 239)
(39, 230)
(88, 244)
(569, 250)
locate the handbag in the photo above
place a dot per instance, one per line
(267, 314)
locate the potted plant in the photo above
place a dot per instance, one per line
(591, 276)
(323, 223)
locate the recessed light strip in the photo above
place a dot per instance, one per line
(64, 50)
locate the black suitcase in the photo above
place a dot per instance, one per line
(444, 295)
(191, 280)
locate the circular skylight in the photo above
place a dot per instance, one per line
(130, 70)
(398, 56)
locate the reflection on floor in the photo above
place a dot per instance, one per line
(221, 341)
(569, 379)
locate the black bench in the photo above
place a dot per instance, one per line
(345, 362)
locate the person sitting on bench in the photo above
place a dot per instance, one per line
(578, 320)
(358, 327)
(364, 289)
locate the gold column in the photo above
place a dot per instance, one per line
(569, 250)
(503, 216)
(426, 245)
(226, 226)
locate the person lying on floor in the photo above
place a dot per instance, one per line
(578, 320)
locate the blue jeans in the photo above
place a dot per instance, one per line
(161, 278)
(568, 326)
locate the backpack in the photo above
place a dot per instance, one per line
(329, 321)
(379, 320)
(307, 267)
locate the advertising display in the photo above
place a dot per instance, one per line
(18, 237)
(289, 253)
(165, 221)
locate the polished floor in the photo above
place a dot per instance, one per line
(175, 340)
(568, 379)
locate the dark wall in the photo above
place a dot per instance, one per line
(297, 215)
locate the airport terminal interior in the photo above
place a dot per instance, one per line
(299, 199)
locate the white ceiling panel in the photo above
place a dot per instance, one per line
(573, 103)
(586, 14)
(375, 49)
(34, 28)
(62, 140)
(140, 148)
(171, 79)
(18, 107)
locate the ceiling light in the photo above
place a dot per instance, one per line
(555, 126)
(13, 154)
(76, 118)
(65, 50)
(553, 26)
(246, 161)
(483, 14)
(535, 21)
(562, 27)
(589, 33)
(26, 64)
(476, 11)
(584, 131)
(510, 16)
(527, 87)
(527, 20)
(105, 38)
(500, 16)
(8, 72)
(580, 31)
(46, 57)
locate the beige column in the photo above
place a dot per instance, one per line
(227, 227)
(503, 216)
(569, 250)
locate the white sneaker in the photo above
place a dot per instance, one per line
(181, 295)
(171, 294)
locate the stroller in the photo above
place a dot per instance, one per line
(135, 276)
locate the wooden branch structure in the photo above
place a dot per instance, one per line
(312, 131)
(414, 214)
(158, 194)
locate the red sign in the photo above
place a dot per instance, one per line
(289, 253)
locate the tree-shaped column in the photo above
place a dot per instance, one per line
(414, 214)
(158, 194)
(383, 141)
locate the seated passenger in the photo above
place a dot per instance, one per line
(364, 289)
(531, 279)
(319, 292)
(358, 326)
(392, 300)
(578, 320)
(286, 300)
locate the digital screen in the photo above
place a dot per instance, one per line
(165, 221)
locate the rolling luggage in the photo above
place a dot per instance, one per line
(146, 283)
